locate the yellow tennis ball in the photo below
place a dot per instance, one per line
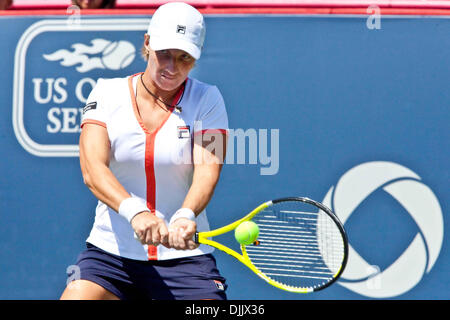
(246, 233)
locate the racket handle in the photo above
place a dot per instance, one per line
(195, 237)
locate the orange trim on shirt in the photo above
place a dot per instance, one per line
(152, 252)
(92, 121)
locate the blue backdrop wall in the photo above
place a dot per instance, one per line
(354, 116)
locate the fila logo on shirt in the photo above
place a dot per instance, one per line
(184, 132)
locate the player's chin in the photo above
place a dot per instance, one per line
(169, 83)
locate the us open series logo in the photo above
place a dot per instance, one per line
(56, 66)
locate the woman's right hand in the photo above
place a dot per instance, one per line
(150, 229)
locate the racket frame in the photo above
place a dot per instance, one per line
(203, 238)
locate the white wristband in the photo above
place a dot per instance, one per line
(132, 206)
(183, 213)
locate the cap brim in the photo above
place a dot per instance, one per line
(159, 43)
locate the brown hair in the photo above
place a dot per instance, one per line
(144, 52)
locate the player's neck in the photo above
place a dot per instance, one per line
(153, 93)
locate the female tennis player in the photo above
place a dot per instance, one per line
(145, 153)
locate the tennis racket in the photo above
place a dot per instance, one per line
(302, 246)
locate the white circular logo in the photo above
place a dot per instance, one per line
(418, 200)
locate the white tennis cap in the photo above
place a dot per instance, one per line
(177, 25)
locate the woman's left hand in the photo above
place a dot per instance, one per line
(181, 233)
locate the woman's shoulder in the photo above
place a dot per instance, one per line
(202, 88)
(109, 93)
(112, 83)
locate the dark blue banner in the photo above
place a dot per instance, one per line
(341, 109)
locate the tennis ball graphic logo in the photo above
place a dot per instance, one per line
(419, 202)
(100, 54)
(118, 55)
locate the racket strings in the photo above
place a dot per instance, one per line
(297, 248)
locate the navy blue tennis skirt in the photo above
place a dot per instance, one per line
(189, 278)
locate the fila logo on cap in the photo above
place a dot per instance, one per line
(181, 29)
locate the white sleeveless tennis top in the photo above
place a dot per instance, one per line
(154, 166)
